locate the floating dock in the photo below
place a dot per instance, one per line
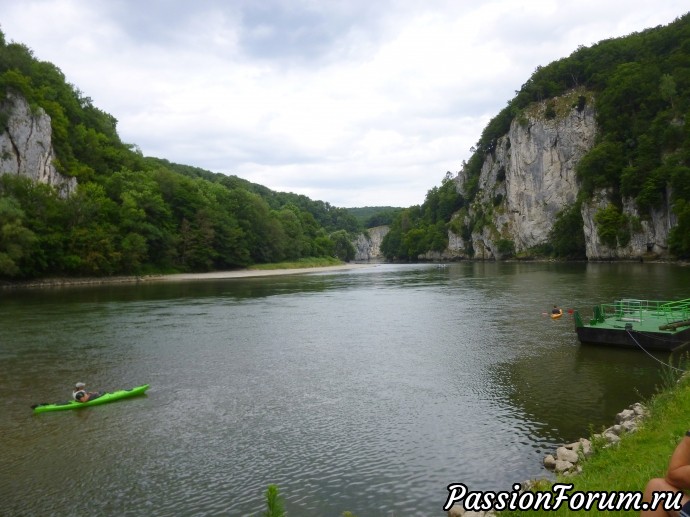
(630, 323)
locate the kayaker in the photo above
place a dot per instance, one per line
(81, 395)
(555, 310)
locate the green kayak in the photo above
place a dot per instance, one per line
(102, 399)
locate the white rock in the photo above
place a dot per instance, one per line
(368, 246)
(612, 438)
(564, 454)
(26, 147)
(625, 415)
(629, 426)
(639, 409)
(563, 466)
(586, 447)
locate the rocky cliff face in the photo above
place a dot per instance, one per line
(26, 145)
(368, 246)
(648, 231)
(530, 177)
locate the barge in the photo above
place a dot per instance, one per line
(645, 324)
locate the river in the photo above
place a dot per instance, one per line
(367, 390)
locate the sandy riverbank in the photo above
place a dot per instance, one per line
(181, 277)
(246, 273)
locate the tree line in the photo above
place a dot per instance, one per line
(133, 214)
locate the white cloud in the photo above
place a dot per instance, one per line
(355, 103)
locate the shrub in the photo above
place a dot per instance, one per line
(505, 247)
(612, 226)
(567, 237)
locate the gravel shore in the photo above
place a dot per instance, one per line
(181, 277)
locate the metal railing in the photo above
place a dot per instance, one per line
(633, 310)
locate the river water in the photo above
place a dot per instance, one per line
(367, 390)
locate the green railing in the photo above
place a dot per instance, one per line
(676, 311)
(632, 310)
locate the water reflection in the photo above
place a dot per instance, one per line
(586, 386)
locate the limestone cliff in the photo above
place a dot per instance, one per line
(368, 245)
(26, 145)
(530, 177)
(648, 231)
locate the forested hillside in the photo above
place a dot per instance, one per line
(641, 89)
(370, 216)
(135, 214)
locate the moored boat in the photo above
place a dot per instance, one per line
(630, 323)
(102, 399)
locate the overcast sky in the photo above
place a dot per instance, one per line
(353, 102)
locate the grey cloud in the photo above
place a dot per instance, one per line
(296, 31)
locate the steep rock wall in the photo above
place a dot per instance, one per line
(26, 145)
(368, 245)
(648, 231)
(530, 177)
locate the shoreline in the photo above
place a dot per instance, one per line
(180, 277)
(249, 273)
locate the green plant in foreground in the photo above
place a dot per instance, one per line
(274, 504)
(673, 371)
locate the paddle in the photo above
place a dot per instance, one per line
(68, 403)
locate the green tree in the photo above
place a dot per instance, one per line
(44, 215)
(601, 166)
(342, 246)
(391, 245)
(16, 241)
(567, 237)
(667, 89)
(679, 238)
(438, 236)
(294, 243)
(415, 242)
(143, 211)
(612, 226)
(324, 246)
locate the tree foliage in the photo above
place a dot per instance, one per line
(567, 237)
(419, 229)
(641, 88)
(133, 214)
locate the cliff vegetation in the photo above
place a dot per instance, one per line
(630, 191)
(132, 214)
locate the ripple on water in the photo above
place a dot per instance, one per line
(369, 391)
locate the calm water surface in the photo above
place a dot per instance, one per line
(367, 390)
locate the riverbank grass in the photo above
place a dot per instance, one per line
(299, 264)
(638, 457)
